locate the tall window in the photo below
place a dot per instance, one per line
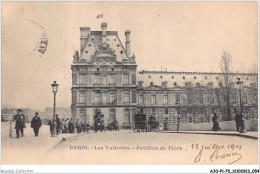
(165, 98)
(97, 97)
(126, 79)
(81, 97)
(127, 116)
(177, 98)
(245, 98)
(112, 96)
(104, 79)
(153, 99)
(127, 96)
(97, 80)
(141, 98)
(112, 115)
(81, 78)
(112, 80)
(201, 97)
(104, 97)
(212, 97)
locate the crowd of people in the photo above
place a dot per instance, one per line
(68, 126)
(62, 125)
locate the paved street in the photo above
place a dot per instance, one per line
(126, 147)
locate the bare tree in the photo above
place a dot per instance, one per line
(225, 65)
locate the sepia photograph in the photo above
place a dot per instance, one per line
(130, 83)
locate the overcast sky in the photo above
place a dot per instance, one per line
(179, 36)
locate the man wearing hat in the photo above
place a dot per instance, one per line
(36, 124)
(19, 122)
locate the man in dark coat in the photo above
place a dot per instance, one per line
(19, 122)
(237, 119)
(78, 126)
(215, 123)
(36, 123)
(58, 122)
(71, 127)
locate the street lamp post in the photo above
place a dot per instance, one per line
(242, 121)
(238, 82)
(178, 116)
(54, 90)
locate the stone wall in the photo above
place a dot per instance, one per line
(250, 125)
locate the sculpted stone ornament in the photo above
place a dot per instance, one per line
(76, 56)
(104, 47)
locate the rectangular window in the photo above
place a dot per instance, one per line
(154, 111)
(245, 98)
(177, 98)
(127, 117)
(126, 79)
(112, 80)
(104, 97)
(127, 96)
(104, 80)
(97, 80)
(165, 99)
(201, 98)
(82, 79)
(112, 96)
(166, 111)
(141, 98)
(190, 119)
(153, 99)
(97, 97)
(212, 97)
(81, 97)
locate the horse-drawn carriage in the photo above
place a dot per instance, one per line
(141, 125)
(99, 124)
(113, 126)
(153, 124)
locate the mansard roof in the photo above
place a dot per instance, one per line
(95, 41)
(193, 79)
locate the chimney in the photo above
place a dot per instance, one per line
(104, 32)
(84, 35)
(127, 42)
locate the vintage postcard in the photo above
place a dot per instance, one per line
(129, 83)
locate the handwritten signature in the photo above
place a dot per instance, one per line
(234, 155)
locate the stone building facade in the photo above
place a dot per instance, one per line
(105, 78)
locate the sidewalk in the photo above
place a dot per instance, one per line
(251, 134)
(29, 145)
